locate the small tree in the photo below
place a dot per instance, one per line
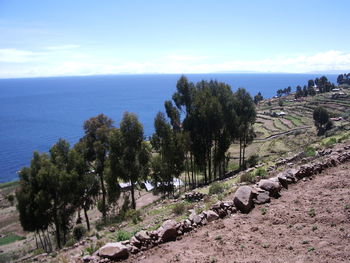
(321, 118)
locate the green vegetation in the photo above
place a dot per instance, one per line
(10, 238)
(247, 177)
(78, 232)
(179, 209)
(310, 151)
(122, 235)
(9, 184)
(216, 188)
(321, 118)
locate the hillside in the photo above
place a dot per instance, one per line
(278, 139)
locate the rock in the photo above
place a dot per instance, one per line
(211, 215)
(282, 178)
(262, 198)
(272, 187)
(197, 219)
(167, 231)
(142, 236)
(135, 242)
(243, 199)
(113, 251)
(112, 229)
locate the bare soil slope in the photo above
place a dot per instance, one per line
(309, 223)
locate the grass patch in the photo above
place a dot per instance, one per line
(122, 235)
(9, 184)
(328, 142)
(247, 177)
(310, 151)
(179, 209)
(216, 188)
(10, 239)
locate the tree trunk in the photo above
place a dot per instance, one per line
(240, 153)
(57, 228)
(104, 212)
(193, 175)
(133, 202)
(36, 241)
(49, 240)
(86, 219)
(41, 242)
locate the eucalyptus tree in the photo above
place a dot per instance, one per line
(129, 154)
(169, 144)
(87, 188)
(97, 130)
(33, 206)
(246, 115)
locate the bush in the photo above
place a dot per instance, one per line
(10, 198)
(179, 209)
(216, 188)
(247, 177)
(253, 160)
(122, 235)
(79, 231)
(70, 242)
(330, 142)
(310, 151)
(134, 215)
(261, 172)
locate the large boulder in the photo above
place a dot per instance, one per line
(243, 199)
(211, 215)
(113, 251)
(168, 232)
(262, 198)
(271, 186)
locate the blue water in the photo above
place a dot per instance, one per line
(35, 113)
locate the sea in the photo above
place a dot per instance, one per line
(36, 112)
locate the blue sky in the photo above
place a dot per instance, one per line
(86, 37)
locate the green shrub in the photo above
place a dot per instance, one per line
(330, 142)
(216, 188)
(10, 198)
(247, 177)
(79, 231)
(122, 235)
(70, 242)
(10, 238)
(94, 247)
(261, 172)
(134, 215)
(179, 209)
(253, 160)
(310, 151)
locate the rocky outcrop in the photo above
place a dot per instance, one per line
(271, 185)
(168, 232)
(243, 199)
(194, 196)
(113, 251)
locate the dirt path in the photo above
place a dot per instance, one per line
(282, 133)
(309, 223)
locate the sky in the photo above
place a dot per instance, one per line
(90, 37)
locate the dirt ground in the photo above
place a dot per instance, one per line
(310, 222)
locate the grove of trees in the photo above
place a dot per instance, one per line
(191, 141)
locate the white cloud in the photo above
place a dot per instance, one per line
(12, 55)
(86, 64)
(63, 47)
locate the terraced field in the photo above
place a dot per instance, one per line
(278, 137)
